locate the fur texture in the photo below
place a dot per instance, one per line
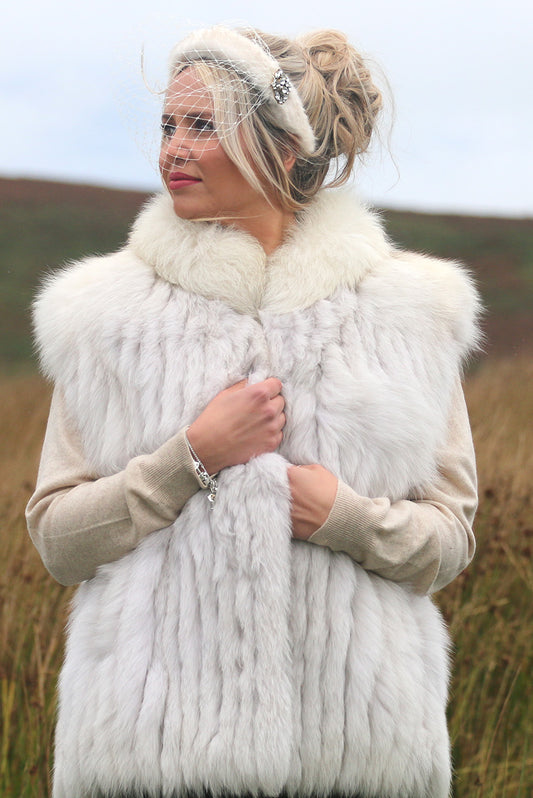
(221, 654)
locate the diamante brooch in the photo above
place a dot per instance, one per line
(281, 87)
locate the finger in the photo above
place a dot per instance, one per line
(274, 386)
(295, 472)
(278, 403)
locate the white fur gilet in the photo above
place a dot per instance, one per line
(221, 654)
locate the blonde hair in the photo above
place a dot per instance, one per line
(338, 95)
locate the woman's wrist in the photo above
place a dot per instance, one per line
(207, 480)
(204, 450)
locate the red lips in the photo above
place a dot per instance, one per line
(178, 180)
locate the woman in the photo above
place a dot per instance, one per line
(258, 459)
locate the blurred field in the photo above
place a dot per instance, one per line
(489, 608)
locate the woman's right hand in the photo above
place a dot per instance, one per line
(239, 423)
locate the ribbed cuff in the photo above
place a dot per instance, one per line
(348, 526)
(169, 474)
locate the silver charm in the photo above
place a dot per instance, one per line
(212, 493)
(208, 482)
(281, 87)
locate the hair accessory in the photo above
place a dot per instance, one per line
(247, 59)
(208, 482)
(281, 87)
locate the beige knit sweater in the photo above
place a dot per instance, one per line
(79, 522)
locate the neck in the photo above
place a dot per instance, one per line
(269, 226)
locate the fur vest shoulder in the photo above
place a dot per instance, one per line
(221, 654)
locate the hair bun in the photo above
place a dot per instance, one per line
(342, 104)
(339, 94)
(328, 50)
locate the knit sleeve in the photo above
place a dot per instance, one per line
(424, 542)
(78, 521)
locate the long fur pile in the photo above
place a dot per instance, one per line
(221, 654)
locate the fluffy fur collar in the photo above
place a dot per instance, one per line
(334, 243)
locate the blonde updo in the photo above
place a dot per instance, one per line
(342, 104)
(338, 94)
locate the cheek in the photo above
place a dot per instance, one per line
(162, 159)
(166, 155)
(218, 163)
(234, 180)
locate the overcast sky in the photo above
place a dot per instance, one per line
(461, 73)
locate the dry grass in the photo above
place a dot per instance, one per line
(489, 608)
(32, 605)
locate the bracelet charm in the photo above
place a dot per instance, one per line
(207, 481)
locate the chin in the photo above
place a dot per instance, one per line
(187, 210)
(183, 213)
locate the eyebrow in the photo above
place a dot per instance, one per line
(204, 115)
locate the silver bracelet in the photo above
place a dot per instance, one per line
(208, 482)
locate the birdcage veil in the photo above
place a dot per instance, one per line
(225, 89)
(235, 75)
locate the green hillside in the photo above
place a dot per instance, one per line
(44, 224)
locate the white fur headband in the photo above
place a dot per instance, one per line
(254, 61)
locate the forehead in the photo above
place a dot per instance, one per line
(187, 93)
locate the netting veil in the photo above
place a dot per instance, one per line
(217, 78)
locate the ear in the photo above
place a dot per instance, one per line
(289, 161)
(289, 151)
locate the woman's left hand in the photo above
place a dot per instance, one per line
(313, 491)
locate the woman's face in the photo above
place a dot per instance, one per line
(200, 177)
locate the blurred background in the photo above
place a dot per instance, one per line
(452, 175)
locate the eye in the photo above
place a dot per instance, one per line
(168, 128)
(201, 124)
(198, 124)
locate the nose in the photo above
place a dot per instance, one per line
(177, 146)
